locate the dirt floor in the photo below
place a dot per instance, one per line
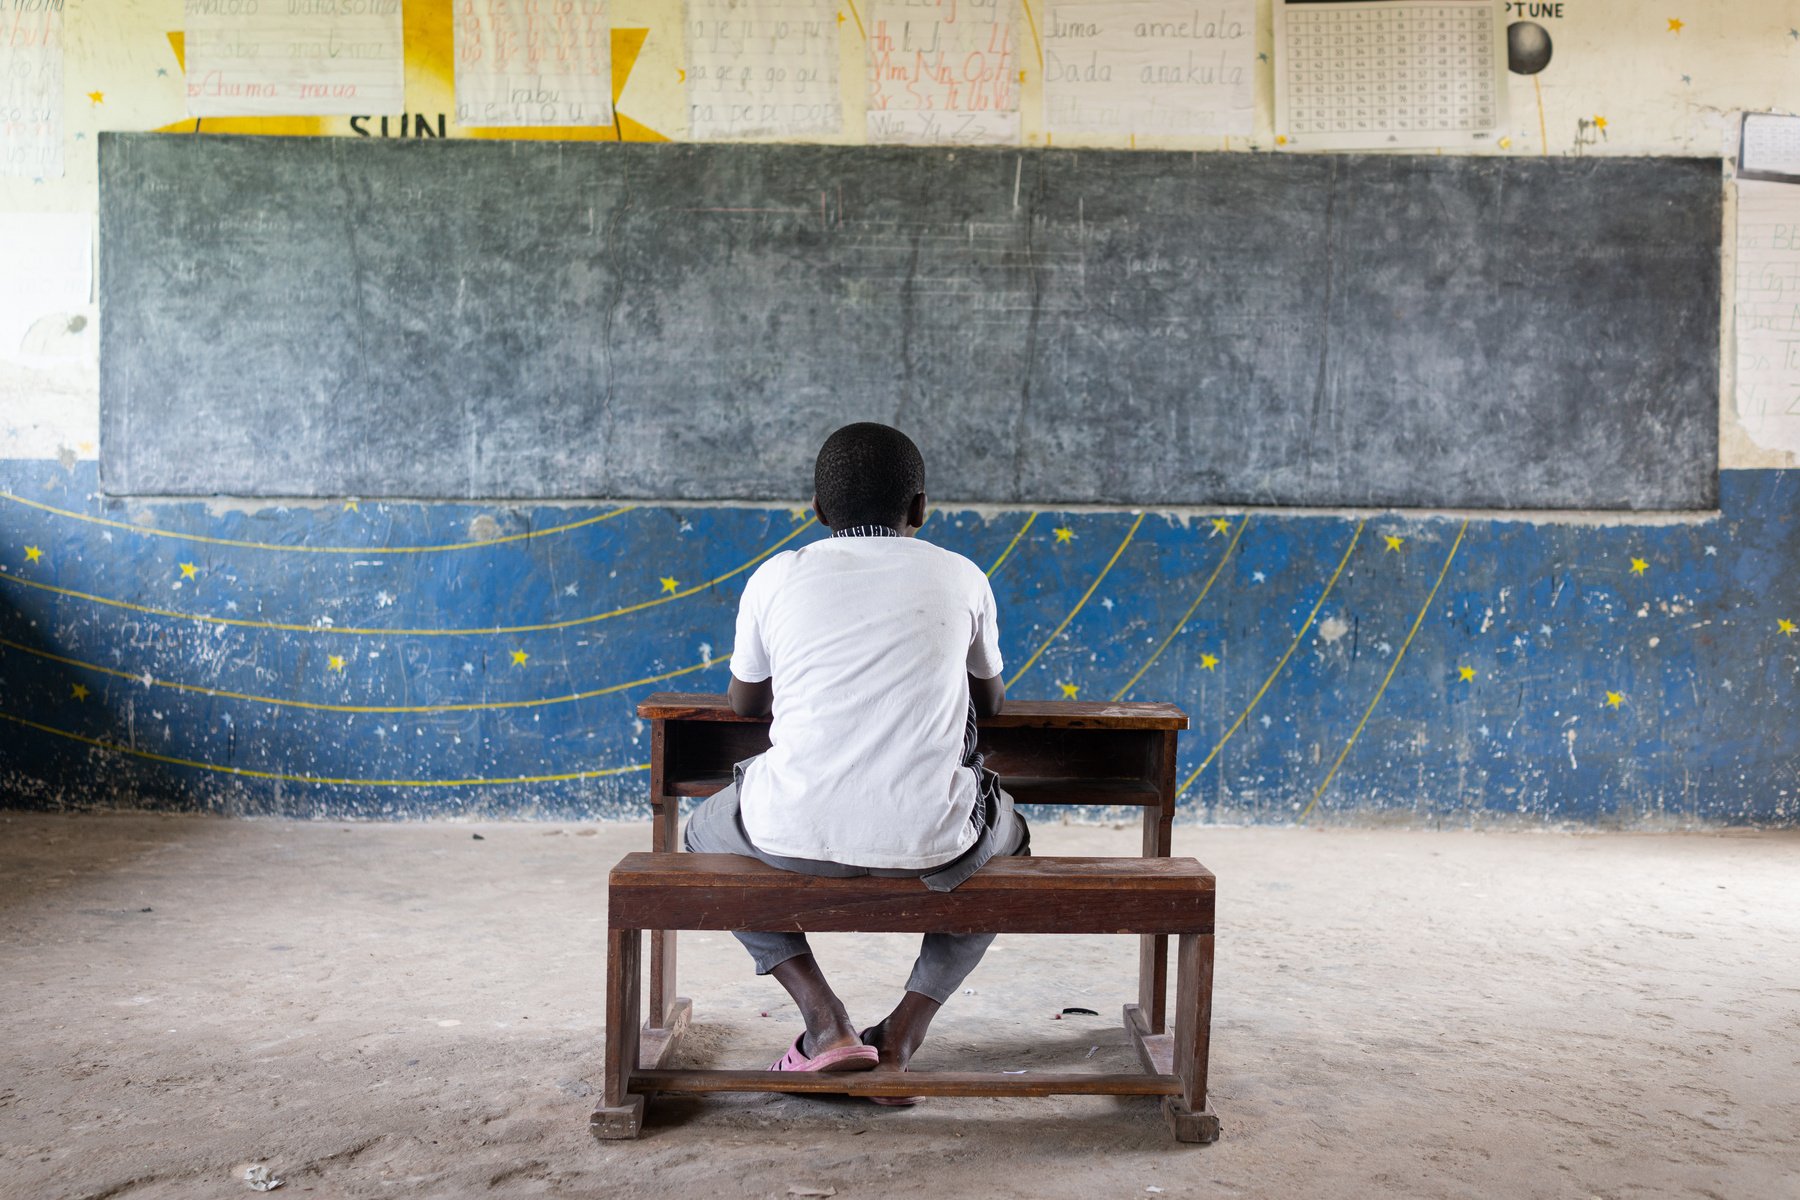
(414, 1010)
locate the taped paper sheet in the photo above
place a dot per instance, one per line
(1768, 313)
(944, 73)
(1150, 68)
(1770, 147)
(523, 63)
(762, 68)
(295, 58)
(46, 282)
(31, 88)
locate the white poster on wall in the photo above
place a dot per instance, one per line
(521, 63)
(1768, 313)
(294, 58)
(1150, 68)
(46, 282)
(762, 68)
(31, 88)
(944, 72)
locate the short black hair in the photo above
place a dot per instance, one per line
(867, 474)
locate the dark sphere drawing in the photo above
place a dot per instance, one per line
(1527, 47)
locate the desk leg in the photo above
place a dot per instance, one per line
(1188, 1115)
(1153, 949)
(620, 1114)
(665, 824)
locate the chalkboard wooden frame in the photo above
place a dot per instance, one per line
(528, 320)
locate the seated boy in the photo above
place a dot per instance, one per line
(875, 653)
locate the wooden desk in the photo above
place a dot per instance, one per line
(1045, 751)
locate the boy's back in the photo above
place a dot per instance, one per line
(870, 641)
(874, 653)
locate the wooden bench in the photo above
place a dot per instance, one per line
(1157, 896)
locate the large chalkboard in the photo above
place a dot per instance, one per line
(332, 317)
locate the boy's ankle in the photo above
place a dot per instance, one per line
(829, 1034)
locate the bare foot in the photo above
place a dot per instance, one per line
(902, 1032)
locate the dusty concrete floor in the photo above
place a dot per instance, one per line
(405, 1010)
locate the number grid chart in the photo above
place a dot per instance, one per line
(1392, 74)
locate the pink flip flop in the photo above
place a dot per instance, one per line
(895, 1101)
(844, 1058)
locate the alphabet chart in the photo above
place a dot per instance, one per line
(1389, 74)
(762, 68)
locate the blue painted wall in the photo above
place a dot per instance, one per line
(383, 660)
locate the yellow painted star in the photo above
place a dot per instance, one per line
(1599, 122)
(670, 585)
(189, 570)
(1281, 139)
(351, 506)
(1394, 542)
(1786, 626)
(840, 18)
(1506, 143)
(1675, 24)
(1615, 699)
(79, 691)
(335, 662)
(1209, 661)
(1639, 566)
(1467, 674)
(1064, 534)
(32, 554)
(519, 657)
(1069, 690)
(1221, 525)
(799, 514)
(96, 97)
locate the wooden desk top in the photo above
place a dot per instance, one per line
(1018, 714)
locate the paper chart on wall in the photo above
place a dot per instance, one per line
(46, 284)
(762, 68)
(533, 64)
(944, 73)
(329, 58)
(1770, 148)
(1389, 74)
(1768, 313)
(31, 89)
(1150, 68)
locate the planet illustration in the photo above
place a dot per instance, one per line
(1527, 47)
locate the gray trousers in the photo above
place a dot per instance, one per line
(945, 959)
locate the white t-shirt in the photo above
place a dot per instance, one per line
(870, 642)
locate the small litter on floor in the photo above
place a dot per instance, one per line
(261, 1179)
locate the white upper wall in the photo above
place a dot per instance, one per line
(1623, 78)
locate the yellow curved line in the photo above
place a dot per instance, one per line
(242, 623)
(1009, 546)
(1032, 21)
(1292, 646)
(1129, 534)
(1220, 566)
(279, 702)
(149, 531)
(1392, 667)
(285, 777)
